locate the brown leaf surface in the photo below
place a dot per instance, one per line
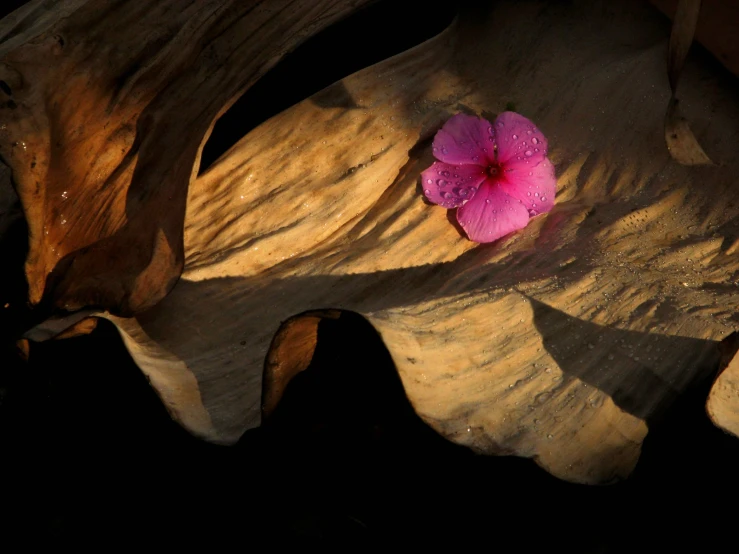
(723, 400)
(561, 342)
(105, 107)
(681, 141)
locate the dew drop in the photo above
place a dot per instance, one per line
(444, 150)
(448, 195)
(528, 132)
(536, 149)
(427, 191)
(531, 173)
(528, 194)
(543, 198)
(475, 158)
(535, 140)
(429, 182)
(528, 153)
(445, 173)
(463, 192)
(487, 201)
(441, 182)
(514, 137)
(500, 124)
(536, 194)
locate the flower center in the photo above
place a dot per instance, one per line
(494, 170)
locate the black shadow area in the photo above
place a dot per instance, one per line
(90, 456)
(8, 6)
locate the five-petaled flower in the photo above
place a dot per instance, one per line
(498, 175)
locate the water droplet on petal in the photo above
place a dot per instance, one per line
(448, 195)
(528, 153)
(528, 132)
(536, 149)
(429, 182)
(543, 198)
(444, 150)
(475, 158)
(441, 182)
(531, 173)
(463, 192)
(487, 201)
(445, 173)
(514, 137)
(535, 140)
(536, 194)
(500, 124)
(427, 191)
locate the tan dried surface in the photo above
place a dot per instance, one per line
(723, 401)
(104, 108)
(560, 342)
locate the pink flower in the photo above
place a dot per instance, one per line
(498, 175)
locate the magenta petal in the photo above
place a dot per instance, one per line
(491, 214)
(450, 185)
(519, 141)
(464, 139)
(534, 186)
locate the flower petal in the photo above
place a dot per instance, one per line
(464, 139)
(535, 186)
(518, 141)
(491, 214)
(450, 185)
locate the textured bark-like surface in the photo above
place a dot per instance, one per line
(561, 342)
(104, 108)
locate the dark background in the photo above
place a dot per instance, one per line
(89, 458)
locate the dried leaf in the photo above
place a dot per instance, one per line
(681, 141)
(562, 342)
